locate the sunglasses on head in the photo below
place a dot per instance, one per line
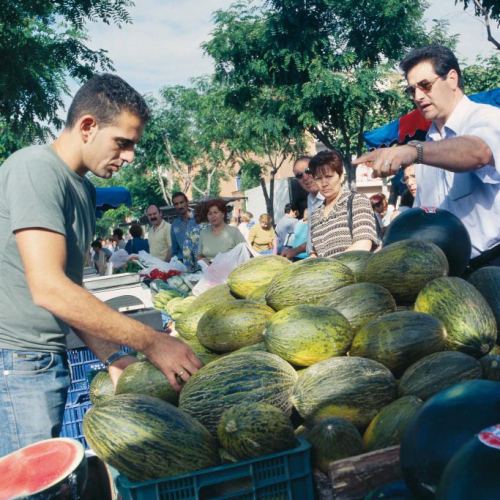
(299, 175)
(424, 86)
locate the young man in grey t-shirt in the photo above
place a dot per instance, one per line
(46, 225)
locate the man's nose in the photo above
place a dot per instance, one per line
(128, 155)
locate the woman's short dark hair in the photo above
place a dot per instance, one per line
(106, 97)
(325, 162)
(199, 213)
(135, 231)
(442, 59)
(216, 202)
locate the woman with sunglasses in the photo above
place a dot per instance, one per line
(346, 220)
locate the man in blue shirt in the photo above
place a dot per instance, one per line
(183, 222)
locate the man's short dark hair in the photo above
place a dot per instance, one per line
(106, 97)
(289, 207)
(118, 232)
(442, 59)
(96, 244)
(301, 158)
(179, 193)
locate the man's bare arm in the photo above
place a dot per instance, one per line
(457, 154)
(44, 257)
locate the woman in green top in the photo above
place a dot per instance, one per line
(217, 237)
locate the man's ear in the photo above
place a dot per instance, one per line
(453, 79)
(88, 127)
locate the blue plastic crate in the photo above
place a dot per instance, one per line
(72, 422)
(282, 476)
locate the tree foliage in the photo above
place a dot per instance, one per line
(326, 66)
(41, 44)
(483, 75)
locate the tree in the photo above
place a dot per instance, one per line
(327, 66)
(196, 137)
(483, 75)
(41, 44)
(486, 10)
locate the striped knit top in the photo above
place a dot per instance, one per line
(330, 235)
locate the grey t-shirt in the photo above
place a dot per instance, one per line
(38, 190)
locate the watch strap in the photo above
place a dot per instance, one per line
(420, 150)
(114, 357)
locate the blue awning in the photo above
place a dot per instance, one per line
(112, 197)
(414, 126)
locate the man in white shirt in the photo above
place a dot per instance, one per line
(160, 240)
(459, 164)
(314, 201)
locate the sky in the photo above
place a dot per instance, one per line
(162, 46)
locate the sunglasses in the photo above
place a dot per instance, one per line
(424, 86)
(299, 175)
(378, 204)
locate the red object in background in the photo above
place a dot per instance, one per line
(156, 274)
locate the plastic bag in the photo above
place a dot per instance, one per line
(119, 258)
(221, 266)
(151, 263)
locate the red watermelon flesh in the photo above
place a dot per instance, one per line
(48, 465)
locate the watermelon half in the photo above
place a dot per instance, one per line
(47, 469)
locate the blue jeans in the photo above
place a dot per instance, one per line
(33, 388)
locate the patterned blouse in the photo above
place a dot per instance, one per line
(190, 246)
(330, 235)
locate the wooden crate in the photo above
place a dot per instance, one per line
(354, 477)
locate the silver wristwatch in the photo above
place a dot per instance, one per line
(420, 150)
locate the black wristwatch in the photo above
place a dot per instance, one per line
(114, 357)
(420, 150)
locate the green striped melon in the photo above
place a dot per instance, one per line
(436, 372)
(236, 378)
(101, 388)
(306, 334)
(355, 260)
(252, 430)
(203, 354)
(307, 282)
(469, 321)
(260, 346)
(399, 339)
(255, 273)
(352, 388)
(144, 378)
(491, 367)
(388, 427)
(229, 326)
(487, 281)
(146, 438)
(405, 267)
(259, 294)
(187, 323)
(360, 303)
(333, 439)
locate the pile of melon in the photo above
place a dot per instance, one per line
(341, 351)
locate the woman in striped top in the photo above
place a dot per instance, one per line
(345, 221)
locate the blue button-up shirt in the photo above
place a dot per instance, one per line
(178, 233)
